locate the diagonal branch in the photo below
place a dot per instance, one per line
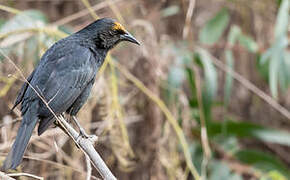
(5, 176)
(86, 144)
(25, 174)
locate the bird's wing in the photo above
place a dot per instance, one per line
(22, 91)
(69, 75)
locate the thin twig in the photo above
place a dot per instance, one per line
(5, 176)
(203, 130)
(116, 12)
(89, 7)
(89, 167)
(56, 164)
(188, 18)
(25, 174)
(9, 9)
(234, 164)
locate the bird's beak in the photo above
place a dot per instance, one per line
(128, 37)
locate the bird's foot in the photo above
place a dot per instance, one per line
(83, 134)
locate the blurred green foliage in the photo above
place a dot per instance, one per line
(20, 36)
(273, 64)
(214, 28)
(275, 58)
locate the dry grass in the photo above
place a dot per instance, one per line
(140, 134)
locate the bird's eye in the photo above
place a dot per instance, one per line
(119, 31)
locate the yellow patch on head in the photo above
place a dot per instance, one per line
(118, 27)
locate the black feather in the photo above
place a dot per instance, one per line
(24, 133)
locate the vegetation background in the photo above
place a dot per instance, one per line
(205, 96)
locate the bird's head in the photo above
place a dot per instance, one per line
(107, 33)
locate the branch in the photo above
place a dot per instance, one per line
(89, 167)
(86, 144)
(5, 176)
(25, 174)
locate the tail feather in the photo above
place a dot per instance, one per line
(14, 157)
(44, 124)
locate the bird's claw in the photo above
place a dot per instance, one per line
(83, 134)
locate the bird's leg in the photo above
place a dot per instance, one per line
(82, 130)
(56, 123)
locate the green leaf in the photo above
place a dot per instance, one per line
(248, 130)
(23, 20)
(210, 85)
(283, 74)
(66, 29)
(229, 78)
(26, 45)
(267, 55)
(263, 68)
(287, 65)
(276, 55)
(274, 175)
(248, 43)
(221, 171)
(191, 82)
(176, 76)
(263, 161)
(235, 177)
(228, 143)
(280, 44)
(170, 11)
(2, 21)
(234, 34)
(196, 155)
(277, 61)
(273, 75)
(177, 72)
(279, 2)
(275, 66)
(214, 28)
(282, 21)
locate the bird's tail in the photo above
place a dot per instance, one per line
(24, 133)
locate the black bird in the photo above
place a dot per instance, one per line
(63, 78)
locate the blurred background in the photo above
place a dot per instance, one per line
(205, 96)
